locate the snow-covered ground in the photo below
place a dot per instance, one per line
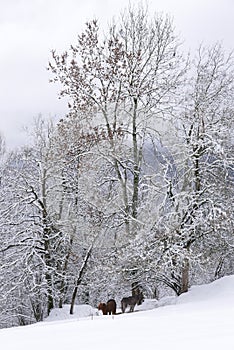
(202, 319)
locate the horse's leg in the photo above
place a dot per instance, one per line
(123, 307)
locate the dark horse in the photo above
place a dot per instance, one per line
(108, 308)
(132, 301)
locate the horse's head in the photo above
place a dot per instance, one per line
(103, 308)
(140, 298)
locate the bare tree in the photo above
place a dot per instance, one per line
(122, 83)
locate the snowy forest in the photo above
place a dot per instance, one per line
(133, 188)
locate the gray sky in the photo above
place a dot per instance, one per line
(29, 29)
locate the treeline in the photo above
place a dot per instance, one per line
(133, 189)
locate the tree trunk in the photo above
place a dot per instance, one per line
(136, 162)
(185, 276)
(135, 288)
(79, 279)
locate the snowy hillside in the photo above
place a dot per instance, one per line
(201, 319)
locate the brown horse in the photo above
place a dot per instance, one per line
(108, 308)
(111, 307)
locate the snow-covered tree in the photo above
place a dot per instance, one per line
(35, 244)
(120, 87)
(196, 218)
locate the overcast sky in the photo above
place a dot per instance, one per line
(29, 29)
